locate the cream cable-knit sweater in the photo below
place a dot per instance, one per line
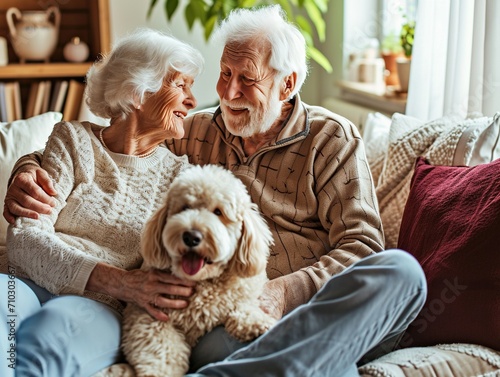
(103, 201)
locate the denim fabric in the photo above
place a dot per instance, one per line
(368, 305)
(66, 336)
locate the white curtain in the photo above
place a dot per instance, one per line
(455, 66)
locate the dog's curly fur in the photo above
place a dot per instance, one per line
(209, 231)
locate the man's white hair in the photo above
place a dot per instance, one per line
(288, 46)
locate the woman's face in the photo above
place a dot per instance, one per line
(169, 106)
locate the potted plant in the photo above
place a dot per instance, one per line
(304, 13)
(403, 63)
(390, 50)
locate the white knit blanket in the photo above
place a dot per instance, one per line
(430, 361)
(408, 139)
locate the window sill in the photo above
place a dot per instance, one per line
(378, 97)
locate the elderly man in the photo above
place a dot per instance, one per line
(332, 286)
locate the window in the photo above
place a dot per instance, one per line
(369, 27)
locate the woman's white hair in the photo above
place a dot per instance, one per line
(288, 46)
(135, 68)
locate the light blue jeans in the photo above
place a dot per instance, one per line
(359, 314)
(55, 336)
(363, 310)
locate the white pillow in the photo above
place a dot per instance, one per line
(376, 126)
(17, 139)
(479, 143)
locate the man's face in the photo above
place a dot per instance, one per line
(250, 100)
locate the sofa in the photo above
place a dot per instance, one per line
(439, 199)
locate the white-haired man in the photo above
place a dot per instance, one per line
(331, 284)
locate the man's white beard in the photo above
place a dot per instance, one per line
(259, 122)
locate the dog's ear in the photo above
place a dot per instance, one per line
(251, 257)
(152, 248)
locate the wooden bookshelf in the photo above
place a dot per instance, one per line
(86, 19)
(38, 71)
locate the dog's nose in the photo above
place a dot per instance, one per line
(192, 237)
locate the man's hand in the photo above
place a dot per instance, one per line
(29, 194)
(272, 300)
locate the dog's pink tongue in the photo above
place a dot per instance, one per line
(192, 263)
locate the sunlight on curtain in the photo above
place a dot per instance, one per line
(456, 59)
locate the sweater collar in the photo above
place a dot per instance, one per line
(296, 126)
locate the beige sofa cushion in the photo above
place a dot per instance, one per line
(457, 360)
(17, 139)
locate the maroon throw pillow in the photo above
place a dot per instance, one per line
(451, 224)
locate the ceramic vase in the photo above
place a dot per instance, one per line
(33, 34)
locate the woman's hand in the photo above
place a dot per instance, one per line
(29, 194)
(152, 290)
(272, 300)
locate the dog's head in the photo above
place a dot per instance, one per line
(207, 225)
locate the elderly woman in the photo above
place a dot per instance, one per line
(79, 265)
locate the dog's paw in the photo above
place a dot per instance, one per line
(246, 326)
(153, 348)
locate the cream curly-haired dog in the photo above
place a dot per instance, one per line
(209, 231)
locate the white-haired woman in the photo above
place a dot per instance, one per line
(80, 264)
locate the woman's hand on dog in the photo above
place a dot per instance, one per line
(272, 300)
(152, 290)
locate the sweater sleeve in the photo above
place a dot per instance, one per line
(349, 211)
(33, 245)
(34, 158)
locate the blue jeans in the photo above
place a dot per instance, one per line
(55, 336)
(362, 311)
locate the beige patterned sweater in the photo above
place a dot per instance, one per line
(103, 201)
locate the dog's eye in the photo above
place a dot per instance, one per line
(217, 212)
(185, 207)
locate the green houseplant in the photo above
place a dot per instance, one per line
(407, 36)
(306, 14)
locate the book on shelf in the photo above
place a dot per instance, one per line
(30, 103)
(58, 95)
(3, 103)
(12, 98)
(37, 108)
(16, 93)
(73, 100)
(38, 95)
(46, 96)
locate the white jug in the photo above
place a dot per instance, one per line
(33, 36)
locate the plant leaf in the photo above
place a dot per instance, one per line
(209, 26)
(322, 5)
(304, 25)
(189, 15)
(319, 58)
(151, 6)
(317, 19)
(248, 3)
(170, 8)
(199, 10)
